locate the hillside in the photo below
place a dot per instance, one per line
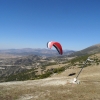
(35, 67)
(89, 50)
(58, 86)
(19, 65)
(15, 65)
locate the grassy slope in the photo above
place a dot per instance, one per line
(56, 87)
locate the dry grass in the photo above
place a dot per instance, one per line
(84, 91)
(55, 66)
(56, 87)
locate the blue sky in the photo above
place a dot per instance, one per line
(32, 23)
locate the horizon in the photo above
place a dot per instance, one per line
(34, 48)
(46, 48)
(31, 24)
(53, 48)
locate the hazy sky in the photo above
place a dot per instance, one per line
(32, 23)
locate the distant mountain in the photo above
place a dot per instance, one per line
(35, 51)
(89, 50)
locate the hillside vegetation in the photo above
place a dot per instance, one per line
(51, 68)
(58, 86)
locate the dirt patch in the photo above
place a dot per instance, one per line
(25, 97)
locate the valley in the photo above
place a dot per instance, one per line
(33, 77)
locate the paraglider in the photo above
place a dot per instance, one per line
(57, 45)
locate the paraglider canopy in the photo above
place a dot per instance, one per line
(57, 45)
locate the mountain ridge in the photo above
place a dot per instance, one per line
(36, 51)
(88, 50)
